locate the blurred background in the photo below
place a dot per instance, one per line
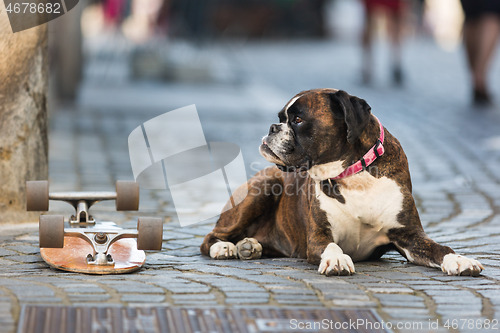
(118, 63)
(202, 21)
(176, 40)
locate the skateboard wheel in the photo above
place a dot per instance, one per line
(37, 195)
(51, 231)
(127, 195)
(150, 233)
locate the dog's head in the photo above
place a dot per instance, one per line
(316, 127)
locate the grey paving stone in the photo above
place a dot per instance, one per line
(265, 279)
(187, 252)
(471, 283)
(240, 301)
(292, 291)
(204, 278)
(354, 303)
(140, 298)
(20, 268)
(240, 287)
(200, 297)
(31, 290)
(81, 288)
(344, 296)
(197, 230)
(434, 286)
(239, 294)
(189, 241)
(402, 300)
(407, 313)
(75, 298)
(282, 297)
(391, 290)
(187, 290)
(6, 252)
(25, 259)
(244, 264)
(301, 301)
(170, 235)
(128, 287)
(334, 281)
(40, 299)
(6, 263)
(456, 300)
(457, 314)
(172, 246)
(233, 285)
(357, 278)
(229, 271)
(451, 293)
(196, 303)
(285, 284)
(25, 249)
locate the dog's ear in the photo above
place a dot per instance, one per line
(354, 110)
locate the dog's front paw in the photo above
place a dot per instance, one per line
(223, 250)
(454, 264)
(249, 248)
(335, 262)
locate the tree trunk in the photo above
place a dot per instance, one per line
(23, 116)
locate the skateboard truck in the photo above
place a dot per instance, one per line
(106, 248)
(38, 196)
(100, 240)
(101, 257)
(82, 214)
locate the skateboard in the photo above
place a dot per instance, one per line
(85, 245)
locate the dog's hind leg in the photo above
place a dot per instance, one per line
(235, 224)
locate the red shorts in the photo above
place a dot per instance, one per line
(391, 5)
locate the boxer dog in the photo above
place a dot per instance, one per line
(340, 193)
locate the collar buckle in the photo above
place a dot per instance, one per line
(376, 147)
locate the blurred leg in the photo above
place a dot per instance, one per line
(367, 41)
(471, 42)
(396, 32)
(488, 31)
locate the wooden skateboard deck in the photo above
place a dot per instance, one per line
(73, 257)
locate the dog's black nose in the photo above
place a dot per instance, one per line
(275, 128)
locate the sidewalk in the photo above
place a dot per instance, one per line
(452, 149)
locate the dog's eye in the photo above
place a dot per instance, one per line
(297, 120)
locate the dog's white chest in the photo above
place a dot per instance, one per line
(361, 223)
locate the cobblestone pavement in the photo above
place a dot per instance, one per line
(453, 152)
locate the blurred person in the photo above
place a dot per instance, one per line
(113, 11)
(395, 12)
(143, 23)
(196, 18)
(481, 31)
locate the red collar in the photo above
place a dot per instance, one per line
(376, 151)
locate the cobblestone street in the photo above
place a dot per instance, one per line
(453, 151)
